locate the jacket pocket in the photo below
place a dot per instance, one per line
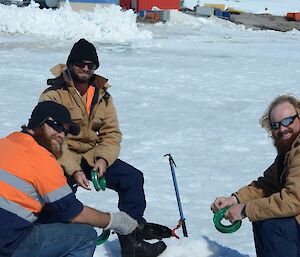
(80, 147)
(96, 124)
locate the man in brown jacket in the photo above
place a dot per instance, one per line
(97, 147)
(272, 202)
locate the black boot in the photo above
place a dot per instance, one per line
(149, 231)
(132, 246)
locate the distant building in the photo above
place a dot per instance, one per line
(145, 5)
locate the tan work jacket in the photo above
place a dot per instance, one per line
(100, 135)
(277, 193)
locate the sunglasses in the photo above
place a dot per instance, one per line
(81, 65)
(56, 126)
(284, 122)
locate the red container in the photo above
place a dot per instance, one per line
(144, 5)
(125, 4)
(293, 16)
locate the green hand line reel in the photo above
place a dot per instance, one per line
(218, 216)
(100, 184)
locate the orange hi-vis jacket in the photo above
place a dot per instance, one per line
(30, 177)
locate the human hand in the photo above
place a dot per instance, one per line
(234, 213)
(81, 179)
(222, 202)
(121, 223)
(101, 166)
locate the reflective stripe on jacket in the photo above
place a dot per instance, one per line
(30, 177)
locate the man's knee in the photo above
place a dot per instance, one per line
(276, 225)
(84, 234)
(88, 231)
(139, 176)
(277, 237)
(133, 179)
(128, 172)
(268, 225)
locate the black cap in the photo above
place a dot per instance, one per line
(54, 110)
(83, 50)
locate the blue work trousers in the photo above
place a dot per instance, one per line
(58, 240)
(128, 182)
(277, 237)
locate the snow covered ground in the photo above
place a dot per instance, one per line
(193, 87)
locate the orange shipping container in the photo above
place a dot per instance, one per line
(293, 16)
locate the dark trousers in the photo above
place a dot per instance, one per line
(277, 237)
(127, 181)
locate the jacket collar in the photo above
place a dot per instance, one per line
(62, 74)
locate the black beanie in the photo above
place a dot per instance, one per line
(83, 50)
(58, 112)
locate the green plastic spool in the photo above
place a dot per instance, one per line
(218, 216)
(103, 237)
(99, 183)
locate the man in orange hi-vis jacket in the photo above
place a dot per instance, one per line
(31, 179)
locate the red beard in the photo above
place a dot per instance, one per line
(53, 144)
(284, 145)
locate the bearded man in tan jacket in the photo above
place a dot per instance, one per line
(272, 202)
(97, 147)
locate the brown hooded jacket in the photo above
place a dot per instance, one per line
(100, 135)
(277, 193)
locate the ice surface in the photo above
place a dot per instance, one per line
(192, 87)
